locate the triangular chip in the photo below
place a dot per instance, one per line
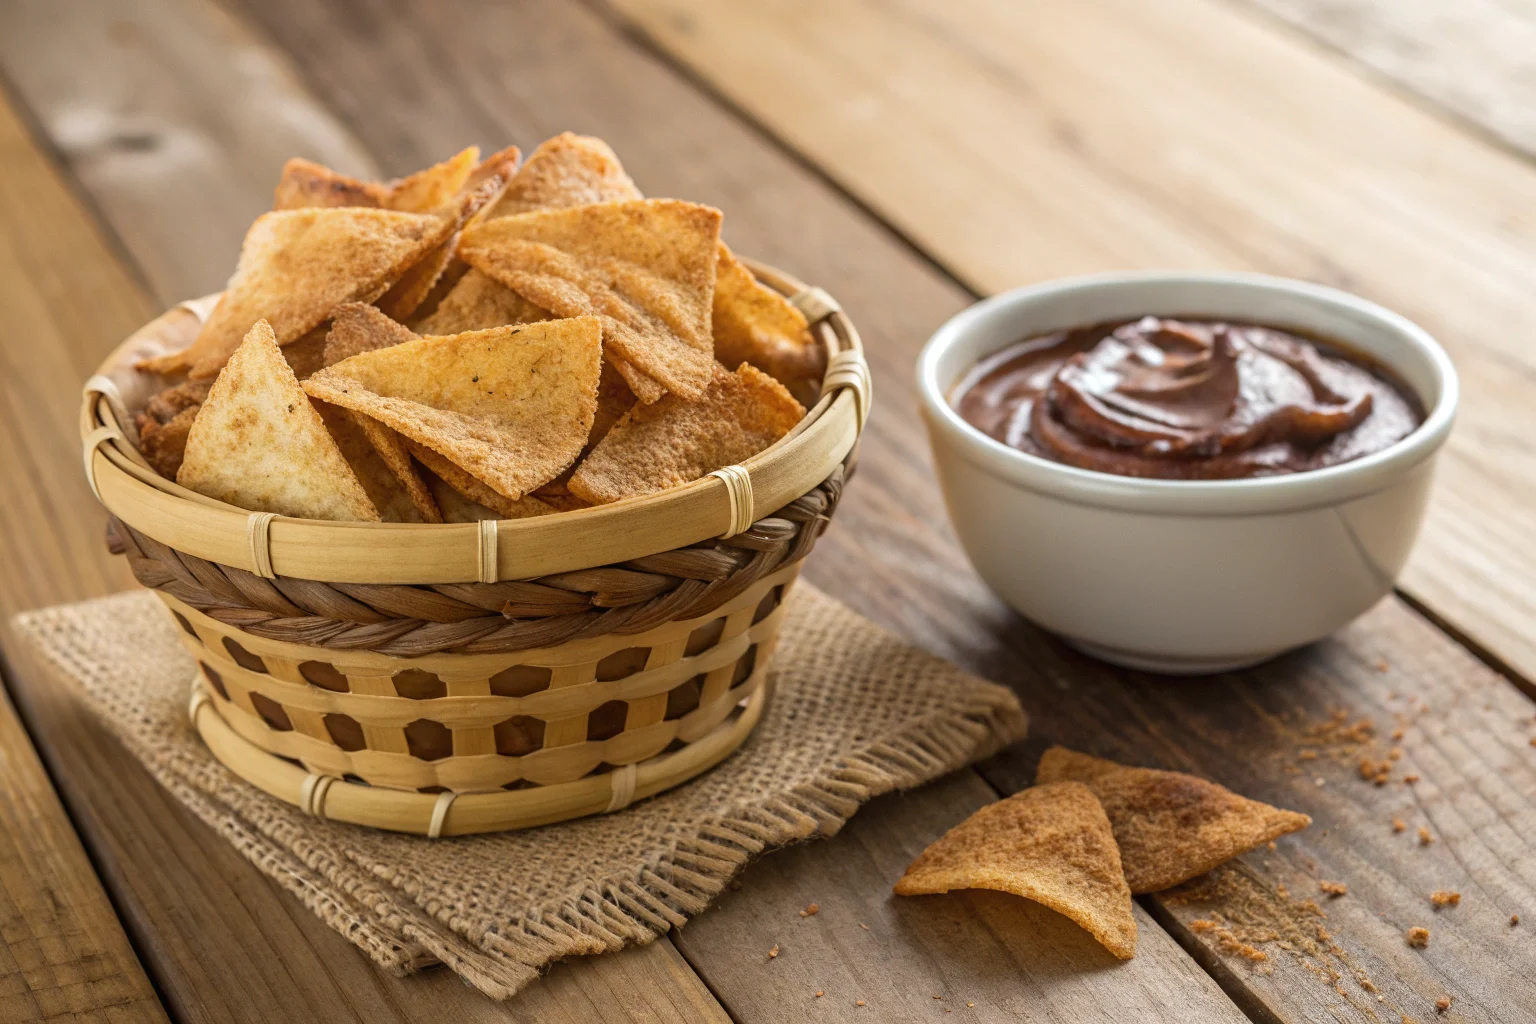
(390, 448)
(259, 444)
(357, 327)
(478, 303)
(755, 324)
(646, 268)
(654, 447)
(1051, 844)
(567, 170)
(305, 184)
(1170, 826)
(298, 265)
(306, 355)
(383, 487)
(475, 491)
(512, 406)
(456, 508)
(427, 190)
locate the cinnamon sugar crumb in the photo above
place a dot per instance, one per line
(1201, 925)
(1381, 665)
(858, 1002)
(1397, 734)
(1411, 778)
(810, 911)
(1442, 1004)
(1270, 846)
(970, 1004)
(819, 993)
(1443, 898)
(1395, 754)
(773, 952)
(1418, 938)
(1514, 919)
(1399, 825)
(1533, 741)
(1333, 888)
(1425, 837)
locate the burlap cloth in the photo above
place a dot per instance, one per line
(855, 713)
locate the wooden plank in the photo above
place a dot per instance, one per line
(916, 958)
(1020, 141)
(891, 556)
(418, 105)
(1473, 57)
(223, 942)
(62, 950)
(174, 98)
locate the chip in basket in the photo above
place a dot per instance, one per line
(258, 444)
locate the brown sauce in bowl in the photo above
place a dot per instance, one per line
(1185, 399)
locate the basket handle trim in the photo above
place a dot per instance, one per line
(815, 304)
(738, 491)
(258, 535)
(488, 564)
(440, 814)
(312, 794)
(848, 369)
(93, 441)
(623, 788)
(198, 700)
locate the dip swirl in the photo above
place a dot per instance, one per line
(1185, 400)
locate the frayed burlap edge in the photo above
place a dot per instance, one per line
(630, 909)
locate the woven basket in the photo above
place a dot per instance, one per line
(451, 679)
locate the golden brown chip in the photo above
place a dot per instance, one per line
(298, 265)
(259, 444)
(475, 491)
(384, 488)
(306, 184)
(427, 190)
(456, 508)
(567, 170)
(646, 268)
(358, 327)
(306, 355)
(164, 405)
(755, 324)
(1051, 844)
(164, 445)
(672, 442)
(1170, 826)
(512, 406)
(478, 303)
(391, 450)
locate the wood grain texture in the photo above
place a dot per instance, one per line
(1472, 57)
(176, 99)
(1015, 142)
(913, 958)
(63, 953)
(891, 554)
(223, 942)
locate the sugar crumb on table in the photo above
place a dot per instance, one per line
(1333, 888)
(1399, 825)
(1442, 1004)
(1425, 836)
(1444, 898)
(1418, 938)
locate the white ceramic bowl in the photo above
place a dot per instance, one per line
(1185, 576)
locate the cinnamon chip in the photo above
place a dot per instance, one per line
(391, 450)
(357, 327)
(1051, 844)
(385, 489)
(477, 303)
(476, 492)
(429, 189)
(1170, 826)
(511, 406)
(164, 445)
(567, 170)
(674, 441)
(305, 184)
(646, 268)
(754, 324)
(258, 443)
(298, 265)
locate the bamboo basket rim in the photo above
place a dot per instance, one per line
(419, 553)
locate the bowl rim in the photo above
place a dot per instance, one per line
(1248, 496)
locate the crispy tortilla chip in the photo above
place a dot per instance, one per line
(672, 442)
(478, 303)
(1170, 826)
(476, 492)
(755, 324)
(358, 327)
(298, 265)
(164, 405)
(427, 190)
(259, 444)
(306, 355)
(306, 184)
(456, 508)
(383, 486)
(391, 450)
(646, 268)
(164, 445)
(512, 406)
(567, 170)
(1051, 844)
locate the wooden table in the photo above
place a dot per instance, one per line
(908, 157)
